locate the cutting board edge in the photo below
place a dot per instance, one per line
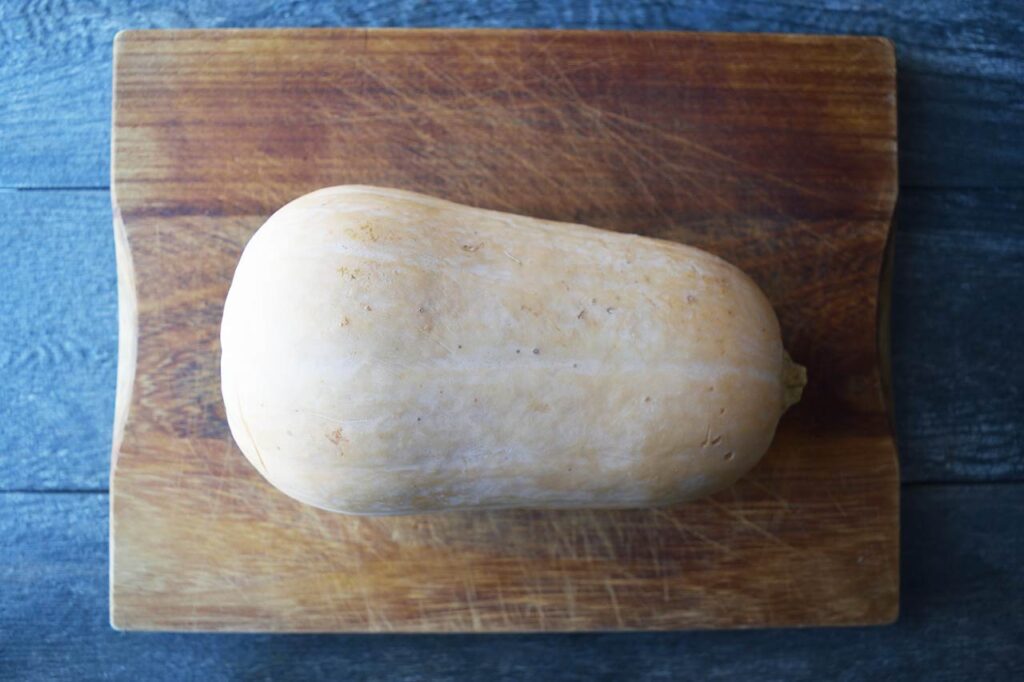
(128, 335)
(127, 35)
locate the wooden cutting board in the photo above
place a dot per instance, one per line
(776, 152)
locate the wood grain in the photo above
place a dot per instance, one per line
(960, 69)
(952, 358)
(777, 152)
(961, 593)
(58, 339)
(960, 364)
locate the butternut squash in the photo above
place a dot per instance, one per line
(385, 352)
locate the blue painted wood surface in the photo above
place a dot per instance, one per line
(58, 339)
(957, 372)
(960, 66)
(961, 549)
(958, 363)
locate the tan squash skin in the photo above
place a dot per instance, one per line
(385, 352)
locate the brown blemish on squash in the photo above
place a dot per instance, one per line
(337, 436)
(369, 232)
(707, 437)
(538, 406)
(351, 272)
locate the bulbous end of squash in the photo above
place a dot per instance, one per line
(794, 378)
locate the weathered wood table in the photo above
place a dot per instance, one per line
(958, 365)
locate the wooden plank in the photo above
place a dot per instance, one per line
(58, 339)
(957, 357)
(960, 70)
(954, 421)
(961, 617)
(784, 162)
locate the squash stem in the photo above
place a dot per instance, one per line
(794, 378)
